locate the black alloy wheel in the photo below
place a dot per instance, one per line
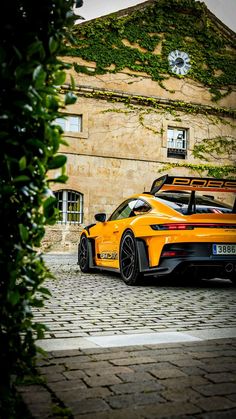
(83, 254)
(129, 268)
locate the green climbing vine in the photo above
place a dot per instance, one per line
(171, 106)
(215, 148)
(204, 169)
(142, 40)
(211, 149)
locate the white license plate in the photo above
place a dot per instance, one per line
(224, 249)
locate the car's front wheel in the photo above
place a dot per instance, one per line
(83, 254)
(129, 268)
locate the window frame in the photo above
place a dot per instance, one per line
(64, 123)
(177, 151)
(143, 204)
(121, 208)
(67, 200)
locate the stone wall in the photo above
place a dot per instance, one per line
(61, 238)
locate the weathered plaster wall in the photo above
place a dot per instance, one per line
(181, 89)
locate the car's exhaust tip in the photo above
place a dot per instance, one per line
(229, 268)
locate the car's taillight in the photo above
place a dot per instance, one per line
(172, 226)
(173, 253)
(185, 226)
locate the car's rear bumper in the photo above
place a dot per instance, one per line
(192, 256)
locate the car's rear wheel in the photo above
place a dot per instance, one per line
(83, 254)
(129, 268)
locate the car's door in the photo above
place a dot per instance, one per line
(107, 244)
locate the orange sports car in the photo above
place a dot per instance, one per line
(173, 229)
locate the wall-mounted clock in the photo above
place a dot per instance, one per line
(179, 62)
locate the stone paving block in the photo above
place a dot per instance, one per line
(39, 411)
(230, 414)
(105, 380)
(187, 362)
(215, 403)
(67, 385)
(213, 354)
(74, 375)
(100, 365)
(80, 359)
(146, 386)
(109, 356)
(90, 393)
(180, 394)
(165, 410)
(37, 399)
(224, 377)
(205, 354)
(216, 389)
(89, 406)
(133, 361)
(168, 373)
(220, 368)
(93, 372)
(183, 382)
(193, 371)
(152, 367)
(137, 399)
(232, 397)
(135, 377)
(36, 394)
(129, 413)
(223, 360)
(53, 377)
(48, 369)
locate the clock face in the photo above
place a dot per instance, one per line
(179, 62)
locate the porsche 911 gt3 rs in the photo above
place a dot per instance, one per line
(173, 229)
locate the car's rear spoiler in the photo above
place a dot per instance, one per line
(184, 183)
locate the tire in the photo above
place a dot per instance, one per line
(83, 254)
(129, 269)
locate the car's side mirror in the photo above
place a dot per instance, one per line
(101, 216)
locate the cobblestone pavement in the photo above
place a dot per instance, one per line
(101, 304)
(182, 380)
(187, 380)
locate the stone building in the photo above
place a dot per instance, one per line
(153, 82)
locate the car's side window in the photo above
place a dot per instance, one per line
(141, 207)
(125, 210)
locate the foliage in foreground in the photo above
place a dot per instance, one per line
(30, 75)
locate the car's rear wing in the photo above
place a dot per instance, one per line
(184, 183)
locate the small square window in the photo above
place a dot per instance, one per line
(70, 123)
(177, 142)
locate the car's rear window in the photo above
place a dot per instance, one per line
(204, 204)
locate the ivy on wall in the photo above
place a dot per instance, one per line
(211, 149)
(142, 39)
(218, 172)
(214, 148)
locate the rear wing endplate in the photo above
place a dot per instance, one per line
(184, 183)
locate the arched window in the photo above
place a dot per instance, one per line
(70, 205)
